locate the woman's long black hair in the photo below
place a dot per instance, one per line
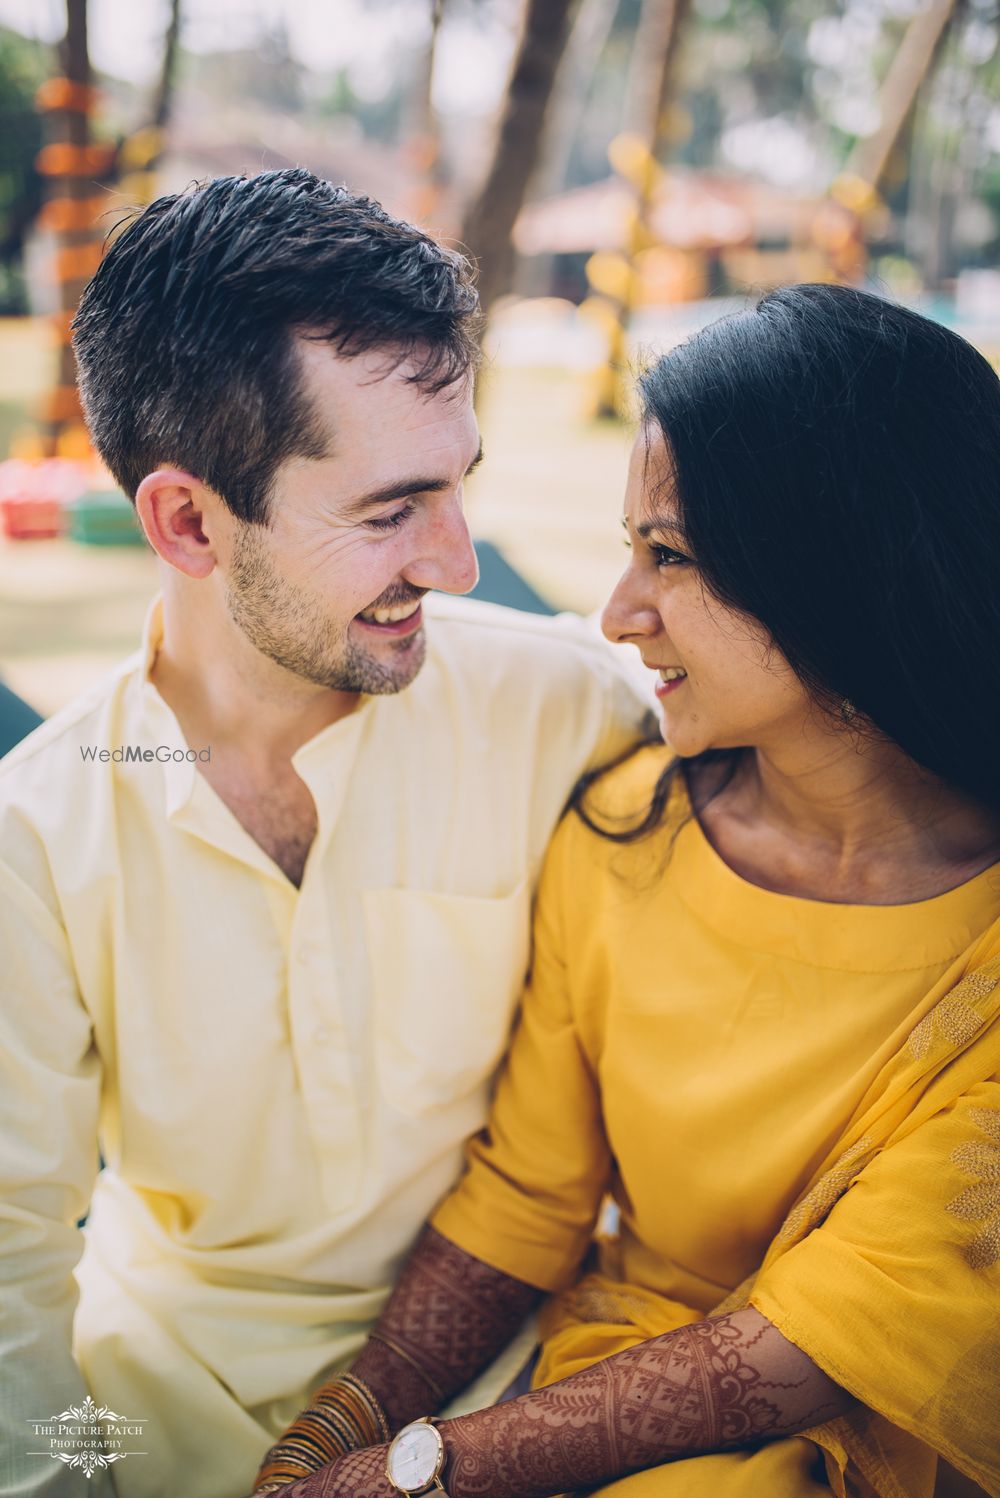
(837, 469)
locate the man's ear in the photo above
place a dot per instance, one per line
(179, 515)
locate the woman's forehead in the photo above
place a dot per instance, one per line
(652, 499)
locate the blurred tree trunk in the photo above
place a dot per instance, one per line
(907, 72)
(67, 162)
(79, 172)
(163, 98)
(488, 228)
(855, 193)
(421, 133)
(650, 83)
(650, 69)
(574, 79)
(139, 154)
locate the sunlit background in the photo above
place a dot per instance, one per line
(622, 170)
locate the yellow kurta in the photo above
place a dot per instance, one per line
(697, 1045)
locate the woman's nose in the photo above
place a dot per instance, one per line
(626, 616)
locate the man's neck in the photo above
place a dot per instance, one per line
(224, 692)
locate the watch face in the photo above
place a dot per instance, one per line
(413, 1457)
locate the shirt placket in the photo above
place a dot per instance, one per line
(317, 1000)
(321, 1046)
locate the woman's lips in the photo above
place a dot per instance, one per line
(664, 688)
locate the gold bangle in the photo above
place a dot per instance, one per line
(401, 1353)
(344, 1416)
(369, 1395)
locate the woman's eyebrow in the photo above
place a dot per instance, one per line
(658, 522)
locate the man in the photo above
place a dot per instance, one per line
(264, 893)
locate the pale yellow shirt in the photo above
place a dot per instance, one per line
(281, 1079)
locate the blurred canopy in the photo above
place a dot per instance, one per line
(624, 152)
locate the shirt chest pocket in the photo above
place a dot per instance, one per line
(447, 973)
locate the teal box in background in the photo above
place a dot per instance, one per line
(104, 517)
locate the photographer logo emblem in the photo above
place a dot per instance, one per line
(87, 1436)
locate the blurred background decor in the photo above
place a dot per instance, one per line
(622, 170)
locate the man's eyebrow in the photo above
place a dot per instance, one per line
(388, 492)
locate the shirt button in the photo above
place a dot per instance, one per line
(321, 1036)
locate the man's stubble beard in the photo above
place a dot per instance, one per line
(281, 624)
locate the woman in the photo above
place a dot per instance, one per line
(763, 1011)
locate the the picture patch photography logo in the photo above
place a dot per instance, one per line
(87, 1436)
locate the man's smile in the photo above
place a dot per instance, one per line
(401, 620)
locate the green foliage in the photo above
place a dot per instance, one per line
(23, 66)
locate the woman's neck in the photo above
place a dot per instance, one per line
(844, 820)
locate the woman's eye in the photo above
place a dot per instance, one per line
(391, 522)
(665, 556)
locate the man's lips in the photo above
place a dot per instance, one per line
(393, 627)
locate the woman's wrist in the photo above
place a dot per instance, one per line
(344, 1416)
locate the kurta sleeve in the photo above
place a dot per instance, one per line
(537, 1174)
(49, 1099)
(896, 1295)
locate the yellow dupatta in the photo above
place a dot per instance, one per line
(923, 1147)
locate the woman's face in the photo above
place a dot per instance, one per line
(736, 690)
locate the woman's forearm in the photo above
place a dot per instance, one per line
(447, 1319)
(729, 1382)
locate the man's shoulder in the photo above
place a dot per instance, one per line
(467, 632)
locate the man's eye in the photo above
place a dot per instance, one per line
(391, 522)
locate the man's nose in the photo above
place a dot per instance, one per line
(627, 617)
(449, 560)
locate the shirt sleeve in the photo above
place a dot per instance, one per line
(631, 702)
(49, 1099)
(896, 1295)
(537, 1174)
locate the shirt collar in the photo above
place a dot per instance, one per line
(323, 761)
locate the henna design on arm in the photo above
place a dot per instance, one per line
(732, 1381)
(729, 1382)
(449, 1316)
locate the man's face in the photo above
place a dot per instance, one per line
(331, 589)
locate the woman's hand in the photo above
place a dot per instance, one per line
(359, 1475)
(717, 1385)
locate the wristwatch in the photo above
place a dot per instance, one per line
(416, 1458)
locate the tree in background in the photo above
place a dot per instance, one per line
(636, 154)
(488, 226)
(22, 69)
(578, 69)
(420, 129)
(73, 166)
(81, 175)
(138, 154)
(952, 205)
(856, 192)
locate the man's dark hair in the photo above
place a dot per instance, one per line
(185, 338)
